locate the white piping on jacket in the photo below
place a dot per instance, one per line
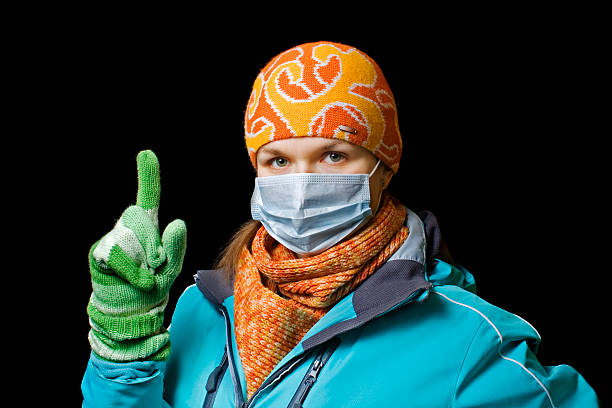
(501, 340)
(534, 329)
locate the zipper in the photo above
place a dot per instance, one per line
(240, 402)
(233, 370)
(288, 366)
(212, 384)
(275, 377)
(313, 373)
(304, 386)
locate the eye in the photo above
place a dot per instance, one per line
(334, 157)
(279, 162)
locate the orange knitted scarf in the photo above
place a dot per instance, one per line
(278, 297)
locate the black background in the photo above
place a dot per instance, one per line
(500, 117)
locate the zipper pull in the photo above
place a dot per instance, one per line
(310, 378)
(307, 382)
(316, 367)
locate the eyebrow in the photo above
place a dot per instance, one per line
(270, 150)
(328, 145)
(333, 143)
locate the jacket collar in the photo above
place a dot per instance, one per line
(400, 280)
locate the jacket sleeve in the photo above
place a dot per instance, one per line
(135, 384)
(501, 370)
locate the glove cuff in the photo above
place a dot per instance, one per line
(129, 338)
(153, 348)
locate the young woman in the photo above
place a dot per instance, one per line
(334, 295)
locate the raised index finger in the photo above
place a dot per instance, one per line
(149, 186)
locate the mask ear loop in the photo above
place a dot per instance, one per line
(374, 169)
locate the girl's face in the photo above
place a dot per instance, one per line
(322, 155)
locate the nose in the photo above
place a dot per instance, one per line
(305, 166)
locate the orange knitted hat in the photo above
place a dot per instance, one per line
(324, 89)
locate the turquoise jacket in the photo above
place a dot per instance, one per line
(414, 334)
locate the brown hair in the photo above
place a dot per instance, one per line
(230, 256)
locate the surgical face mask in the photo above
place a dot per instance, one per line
(311, 212)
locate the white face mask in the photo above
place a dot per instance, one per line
(311, 212)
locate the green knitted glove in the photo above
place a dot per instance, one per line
(132, 269)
